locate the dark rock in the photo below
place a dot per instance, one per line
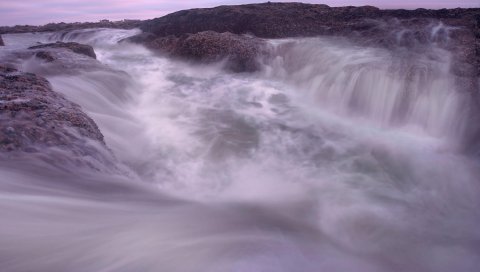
(34, 119)
(53, 27)
(46, 56)
(280, 20)
(367, 25)
(140, 38)
(240, 52)
(78, 48)
(1, 41)
(268, 20)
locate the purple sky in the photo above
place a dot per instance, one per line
(14, 12)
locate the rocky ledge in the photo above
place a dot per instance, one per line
(280, 20)
(366, 25)
(52, 27)
(78, 48)
(36, 119)
(239, 52)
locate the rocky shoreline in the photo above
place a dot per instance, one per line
(456, 30)
(37, 121)
(53, 27)
(367, 25)
(280, 20)
(233, 34)
(219, 32)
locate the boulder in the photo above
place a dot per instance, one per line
(240, 53)
(78, 48)
(36, 119)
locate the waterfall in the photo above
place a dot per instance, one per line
(335, 156)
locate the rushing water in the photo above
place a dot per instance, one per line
(334, 157)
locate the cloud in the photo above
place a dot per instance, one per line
(14, 12)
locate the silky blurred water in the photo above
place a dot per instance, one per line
(333, 157)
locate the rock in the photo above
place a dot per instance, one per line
(366, 25)
(1, 41)
(240, 52)
(45, 55)
(52, 27)
(35, 119)
(268, 20)
(78, 48)
(280, 20)
(140, 38)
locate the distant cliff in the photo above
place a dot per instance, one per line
(52, 27)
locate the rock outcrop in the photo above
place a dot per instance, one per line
(367, 25)
(279, 20)
(78, 48)
(456, 30)
(35, 119)
(239, 52)
(52, 27)
(1, 41)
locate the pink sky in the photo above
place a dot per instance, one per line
(14, 12)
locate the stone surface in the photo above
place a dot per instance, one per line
(52, 27)
(278, 20)
(35, 119)
(368, 25)
(78, 48)
(239, 52)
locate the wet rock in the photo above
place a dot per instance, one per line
(240, 52)
(140, 38)
(45, 55)
(78, 48)
(35, 119)
(268, 20)
(1, 41)
(366, 25)
(280, 20)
